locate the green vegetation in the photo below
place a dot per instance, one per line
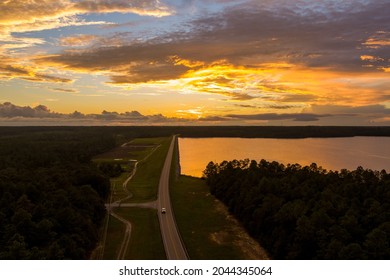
(306, 212)
(53, 187)
(51, 195)
(117, 191)
(144, 184)
(124, 134)
(200, 222)
(115, 232)
(145, 242)
(146, 141)
(110, 169)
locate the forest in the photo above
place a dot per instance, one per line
(51, 194)
(214, 131)
(306, 212)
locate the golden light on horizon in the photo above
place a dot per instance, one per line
(230, 57)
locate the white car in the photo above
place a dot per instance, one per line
(163, 210)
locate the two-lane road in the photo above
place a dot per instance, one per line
(174, 248)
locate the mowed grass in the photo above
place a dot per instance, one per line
(144, 184)
(115, 232)
(145, 242)
(140, 154)
(147, 141)
(198, 221)
(136, 149)
(117, 191)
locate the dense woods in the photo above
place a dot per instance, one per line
(306, 212)
(51, 195)
(216, 131)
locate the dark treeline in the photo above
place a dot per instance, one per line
(51, 195)
(214, 131)
(306, 212)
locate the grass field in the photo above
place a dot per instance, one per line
(145, 242)
(144, 184)
(136, 149)
(115, 232)
(117, 191)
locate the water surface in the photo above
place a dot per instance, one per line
(330, 153)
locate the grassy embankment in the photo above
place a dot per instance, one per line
(115, 231)
(144, 184)
(145, 242)
(126, 156)
(207, 229)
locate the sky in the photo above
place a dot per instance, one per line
(195, 62)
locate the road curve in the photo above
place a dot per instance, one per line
(174, 248)
(125, 243)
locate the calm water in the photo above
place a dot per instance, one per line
(330, 153)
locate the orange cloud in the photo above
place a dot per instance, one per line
(10, 69)
(29, 11)
(379, 39)
(78, 40)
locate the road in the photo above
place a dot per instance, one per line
(174, 248)
(126, 239)
(109, 206)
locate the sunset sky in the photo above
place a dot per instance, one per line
(195, 62)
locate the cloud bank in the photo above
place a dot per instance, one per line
(376, 115)
(11, 112)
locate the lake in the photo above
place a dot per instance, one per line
(330, 153)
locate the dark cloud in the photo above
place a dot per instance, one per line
(128, 116)
(135, 115)
(246, 106)
(64, 90)
(280, 107)
(376, 109)
(327, 35)
(284, 32)
(9, 110)
(214, 119)
(29, 74)
(298, 117)
(76, 115)
(101, 6)
(270, 106)
(298, 98)
(272, 117)
(108, 116)
(325, 114)
(145, 72)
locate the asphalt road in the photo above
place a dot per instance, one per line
(174, 249)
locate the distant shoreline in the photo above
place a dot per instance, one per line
(293, 132)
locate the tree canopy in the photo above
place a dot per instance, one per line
(306, 212)
(51, 195)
